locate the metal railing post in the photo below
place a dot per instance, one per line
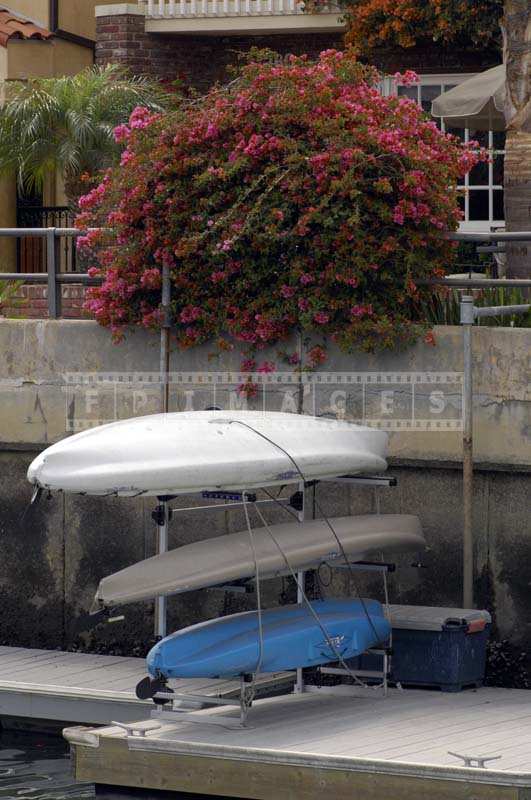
(162, 528)
(52, 264)
(467, 320)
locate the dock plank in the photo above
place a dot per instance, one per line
(90, 688)
(315, 745)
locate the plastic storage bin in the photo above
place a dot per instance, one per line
(437, 647)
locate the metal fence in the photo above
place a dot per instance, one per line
(31, 252)
(54, 278)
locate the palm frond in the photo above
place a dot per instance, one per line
(67, 123)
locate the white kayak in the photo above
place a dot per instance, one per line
(214, 562)
(178, 453)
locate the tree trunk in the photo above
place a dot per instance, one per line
(517, 57)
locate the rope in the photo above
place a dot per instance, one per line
(327, 521)
(259, 663)
(315, 615)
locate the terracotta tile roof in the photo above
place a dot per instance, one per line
(14, 27)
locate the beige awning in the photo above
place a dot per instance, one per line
(476, 103)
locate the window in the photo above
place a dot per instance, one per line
(482, 188)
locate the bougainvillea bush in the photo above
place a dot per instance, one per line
(404, 23)
(295, 199)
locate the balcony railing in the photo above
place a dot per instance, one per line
(226, 17)
(175, 9)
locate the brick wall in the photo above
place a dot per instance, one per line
(203, 60)
(200, 60)
(30, 301)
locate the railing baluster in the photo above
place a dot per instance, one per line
(182, 8)
(226, 7)
(162, 8)
(237, 7)
(54, 289)
(291, 6)
(269, 6)
(171, 9)
(215, 8)
(247, 6)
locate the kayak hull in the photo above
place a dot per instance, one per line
(292, 638)
(225, 559)
(184, 452)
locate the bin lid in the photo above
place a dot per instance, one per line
(433, 618)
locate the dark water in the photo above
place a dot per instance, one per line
(37, 767)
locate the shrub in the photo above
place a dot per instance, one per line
(405, 23)
(295, 199)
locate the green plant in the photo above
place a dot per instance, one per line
(298, 198)
(442, 308)
(8, 291)
(66, 124)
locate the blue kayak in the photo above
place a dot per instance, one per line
(229, 646)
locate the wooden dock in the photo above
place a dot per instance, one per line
(315, 745)
(54, 686)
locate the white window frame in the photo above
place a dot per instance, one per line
(390, 87)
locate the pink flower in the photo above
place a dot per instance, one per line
(248, 389)
(190, 314)
(151, 279)
(316, 356)
(287, 291)
(321, 318)
(127, 156)
(306, 278)
(266, 367)
(361, 311)
(407, 78)
(398, 215)
(303, 304)
(248, 365)
(121, 133)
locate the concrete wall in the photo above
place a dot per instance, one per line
(53, 557)
(35, 354)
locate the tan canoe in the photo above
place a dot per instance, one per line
(213, 562)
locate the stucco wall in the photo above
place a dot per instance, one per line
(54, 554)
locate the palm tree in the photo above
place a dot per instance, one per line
(65, 125)
(517, 57)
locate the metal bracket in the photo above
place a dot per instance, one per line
(138, 729)
(363, 480)
(480, 761)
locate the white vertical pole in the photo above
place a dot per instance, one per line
(301, 576)
(162, 525)
(171, 9)
(162, 6)
(162, 547)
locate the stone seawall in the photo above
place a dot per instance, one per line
(53, 555)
